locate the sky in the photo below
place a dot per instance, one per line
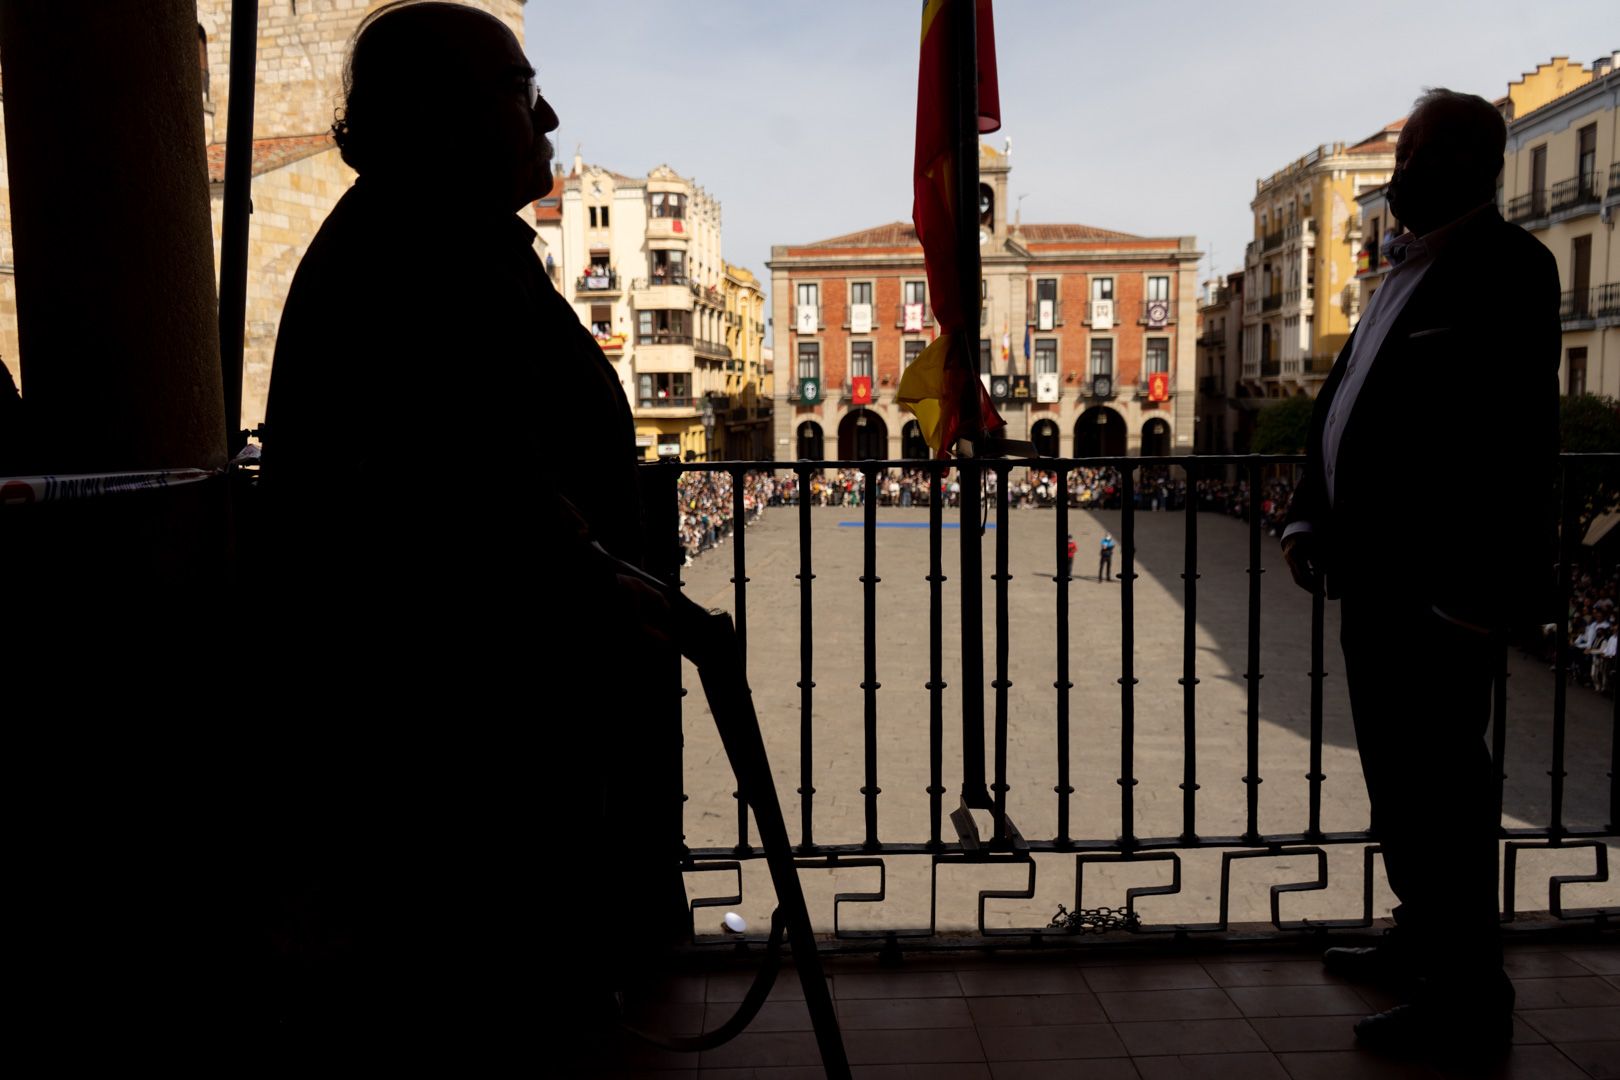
(1153, 119)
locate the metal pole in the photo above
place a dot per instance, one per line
(965, 44)
(233, 245)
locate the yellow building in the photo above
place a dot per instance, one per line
(1561, 181)
(1299, 270)
(742, 427)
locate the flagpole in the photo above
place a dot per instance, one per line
(965, 47)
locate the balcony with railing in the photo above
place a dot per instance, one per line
(1574, 197)
(1034, 318)
(1270, 369)
(807, 318)
(1157, 313)
(710, 350)
(598, 280)
(1162, 841)
(924, 313)
(1529, 209)
(1611, 192)
(1317, 365)
(1586, 309)
(1272, 302)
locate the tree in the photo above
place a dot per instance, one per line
(1284, 427)
(1589, 424)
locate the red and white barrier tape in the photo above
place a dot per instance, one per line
(25, 490)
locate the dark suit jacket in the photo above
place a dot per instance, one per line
(1444, 490)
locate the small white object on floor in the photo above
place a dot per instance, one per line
(734, 923)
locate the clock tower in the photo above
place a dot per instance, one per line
(993, 169)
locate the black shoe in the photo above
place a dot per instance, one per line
(1386, 965)
(1440, 1034)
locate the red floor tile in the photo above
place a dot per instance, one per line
(753, 1048)
(1352, 1065)
(1564, 993)
(1256, 1066)
(1601, 960)
(898, 1013)
(1601, 1060)
(897, 984)
(1306, 1033)
(1575, 1025)
(913, 1047)
(1287, 973)
(1298, 1001)
(1053, 1042)
(773, 1016)
(1023, 980)
(1189, 1037)
(1070, 1069)
(1132, 1005)
(1030, 1010)
(1149, 977)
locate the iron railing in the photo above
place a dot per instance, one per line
(985, 769)
(1572, 193)
(1527, 207)
(1272, 302)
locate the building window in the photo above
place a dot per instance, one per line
(1102, 288)
(1046, 356)
(666, 388)
(810, 360)
(1158, 288)
(1586, 159)
(667, 267)
(667, 204)
(660, 327)
(1102, 357)
(1577, 372)
(913, 349)
(860, 359)
(1158, 354)
(984, 356)
(916, 292)
(599, 217)
(602, 319)
(860, 292)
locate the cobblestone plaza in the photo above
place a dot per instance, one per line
(773, 601)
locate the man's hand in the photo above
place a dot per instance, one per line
(1302, 552)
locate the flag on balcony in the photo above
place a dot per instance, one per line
(932, 387)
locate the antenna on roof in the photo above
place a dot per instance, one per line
(1018, 211)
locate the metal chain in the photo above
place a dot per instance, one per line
(1098, 920)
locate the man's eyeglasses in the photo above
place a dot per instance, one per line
(532, 90)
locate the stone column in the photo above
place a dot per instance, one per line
(114, 253)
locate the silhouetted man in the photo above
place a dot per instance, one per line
(443, 438)
(1422, 635)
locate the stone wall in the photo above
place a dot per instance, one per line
(289, 205)
(302, 45)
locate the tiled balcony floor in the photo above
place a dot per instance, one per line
(1248, 1014)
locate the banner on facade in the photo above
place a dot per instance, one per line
(1044, 318)
(860, 318)
(861, 389)
(1102, 314)
(1020, 387)
(1159, 386)
(914, 318)
(810, 391)
(807, 319)
(1158, 313)
(1046, 387)
(1000, 388)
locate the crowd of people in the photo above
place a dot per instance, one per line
(1594, 630)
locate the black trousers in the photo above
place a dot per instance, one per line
(1420, 694)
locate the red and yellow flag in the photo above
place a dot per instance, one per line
(932, 387)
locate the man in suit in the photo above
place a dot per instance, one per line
(1465, 326)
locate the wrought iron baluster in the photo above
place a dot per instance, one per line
(1064, 575)
(739, 618)
(1189, 661)
(1127, 658)
(936, 649)
(869, 683)
(1001, 683)
(807, 685)
(1252, 675)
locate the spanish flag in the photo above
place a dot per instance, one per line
(932, 387)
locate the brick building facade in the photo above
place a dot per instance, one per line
(1100, 313)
